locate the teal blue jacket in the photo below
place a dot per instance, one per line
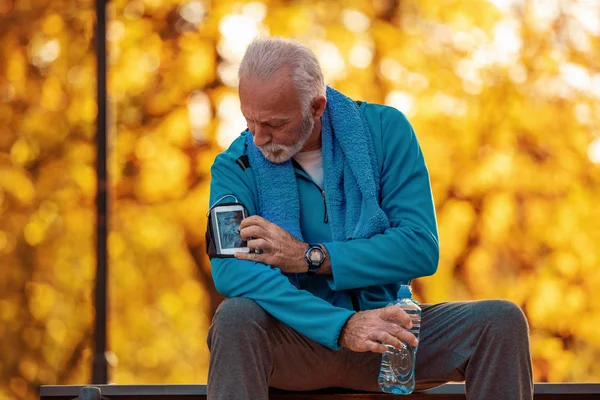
(366, 273)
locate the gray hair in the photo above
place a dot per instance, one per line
(267, 56)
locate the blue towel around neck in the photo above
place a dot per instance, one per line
(350, 174)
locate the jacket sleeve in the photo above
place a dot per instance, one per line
(409, 248)
(299, 309)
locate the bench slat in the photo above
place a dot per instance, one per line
(450, 391)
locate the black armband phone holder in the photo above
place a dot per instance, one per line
(223, 238)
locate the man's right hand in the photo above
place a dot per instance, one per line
(367, 330)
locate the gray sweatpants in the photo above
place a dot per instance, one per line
(484, 343)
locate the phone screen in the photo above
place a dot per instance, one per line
(228, 223)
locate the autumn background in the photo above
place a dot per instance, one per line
(504, 96)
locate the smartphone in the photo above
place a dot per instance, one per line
(226, 220)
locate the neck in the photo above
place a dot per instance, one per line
(314, 141)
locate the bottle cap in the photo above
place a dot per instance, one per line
(405, 292)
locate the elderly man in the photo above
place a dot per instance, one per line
(341, 214)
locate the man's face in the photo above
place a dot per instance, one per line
(274, 116)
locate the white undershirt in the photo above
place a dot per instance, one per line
(312, 163)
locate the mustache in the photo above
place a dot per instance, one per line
(273, 148)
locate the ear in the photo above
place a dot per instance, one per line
(318, 106)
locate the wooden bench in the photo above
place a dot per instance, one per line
(450, 391)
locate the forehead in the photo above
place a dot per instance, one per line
(268, 98)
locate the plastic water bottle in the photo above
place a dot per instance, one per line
(397, 373)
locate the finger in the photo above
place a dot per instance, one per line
(375, 347)
(252, 231)
(401, 334)
(259, 258)
(259, 244)
(388, 339)
(244, 256)
(396, 314)
(253, 220)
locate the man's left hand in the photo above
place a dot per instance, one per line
(277, 246)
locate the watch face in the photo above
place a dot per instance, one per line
(315, 256)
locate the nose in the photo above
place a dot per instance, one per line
(261, 135)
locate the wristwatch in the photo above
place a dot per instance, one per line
(315, 257)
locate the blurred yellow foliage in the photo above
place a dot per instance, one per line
(504, 97)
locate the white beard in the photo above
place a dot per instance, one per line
(278, 153)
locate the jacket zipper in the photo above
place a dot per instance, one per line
(325, 215)
(354, 300)
(353, 297)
